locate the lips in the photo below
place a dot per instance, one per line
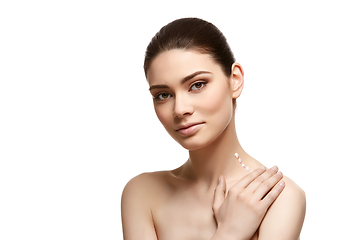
(189, 128)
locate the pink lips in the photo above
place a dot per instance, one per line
(190, 128)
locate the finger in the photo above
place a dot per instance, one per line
(260, 179)
(219, 194)
(266, 186)
(273, 194)
(247, 179)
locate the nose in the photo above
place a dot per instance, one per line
(182, 107)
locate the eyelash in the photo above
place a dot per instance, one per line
(197, 89)
(157, 97)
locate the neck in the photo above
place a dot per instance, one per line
(208, 163)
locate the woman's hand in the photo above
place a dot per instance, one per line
(239, 214)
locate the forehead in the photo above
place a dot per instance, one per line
(173, 65)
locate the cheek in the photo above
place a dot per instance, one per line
(164, 114)
(218, 103)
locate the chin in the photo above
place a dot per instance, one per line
(192, 146)
(195, 142)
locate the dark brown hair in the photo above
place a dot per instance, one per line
(191, 34)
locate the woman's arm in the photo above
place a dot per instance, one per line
(285, 217)
(135, 212)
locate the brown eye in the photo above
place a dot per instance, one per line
(197, 86)
(162, 96)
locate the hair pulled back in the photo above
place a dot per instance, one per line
(191, 34)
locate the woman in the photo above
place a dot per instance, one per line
(220, 192)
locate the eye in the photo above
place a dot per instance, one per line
(162, 96)
(197, 86)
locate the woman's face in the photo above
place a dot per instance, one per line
(193, 98)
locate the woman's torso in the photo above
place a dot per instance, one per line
(181, 210)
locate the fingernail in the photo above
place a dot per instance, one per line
(279, 173)
(275, 168)
(282, 183)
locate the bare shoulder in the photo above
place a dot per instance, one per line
(291, 192)
(285, 217)
(292, 201)
(138, 197)
(145, 185)
(143, 180)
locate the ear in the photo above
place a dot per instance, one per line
(237, 80)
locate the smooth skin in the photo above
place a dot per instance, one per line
(211, 196)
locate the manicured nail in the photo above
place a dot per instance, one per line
(282, 183)
(279, 173)
(274, 168)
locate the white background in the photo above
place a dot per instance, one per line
(77, 122)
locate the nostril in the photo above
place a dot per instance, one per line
(182, 108)
(179, 113)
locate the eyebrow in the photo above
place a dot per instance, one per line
(184, 80)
